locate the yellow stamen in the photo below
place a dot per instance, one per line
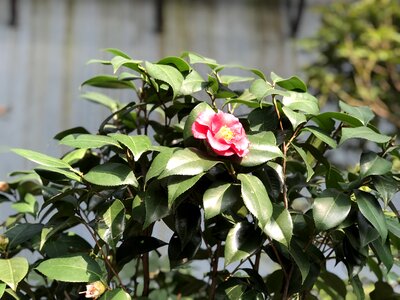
(226, 133)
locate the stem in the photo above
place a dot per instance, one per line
(214, 263)
(287, 283)
(257, 261)
(93, 233)
(146, 266)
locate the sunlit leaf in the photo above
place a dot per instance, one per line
(13, 270)
(111, 174)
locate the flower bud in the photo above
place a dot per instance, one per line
(94, 290)
(4, 187)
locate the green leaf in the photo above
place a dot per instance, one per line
(109, 81)
(137, 144)
(156, 203)
(303, 155)
(260, 89)
(229, 79)
(116, 52)
(88, 141)
(383, 252)
(102, 99)
(42, 159)
(263, 119)
(330, 209)
(21, 233)
(114, 220)
(192, 83)
(363, 132)
(79, 268)
(362, 113)
(178, 62)
(295, 118)
(301, 259)
(372, 211)
(120, 61)
(357, 286)
(167, 74)
(293, 83)
(372, 164)
(67, 173)
(159, 163)
(241, 242)
(28, 205)
(280, 226)
(187, 162)
(320, 134)
(303, 102)
(256, 198)
(345, 118)
(13, 270)
(116, 294)
(393, 226)
(332, 285)
(218, 198)
(195, 58)
(50, 229)
(111, 174)
(2, 289)
(386, 186)
(262, 148)
(177, 185)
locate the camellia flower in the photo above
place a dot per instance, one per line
(94, 290)
(223, 132)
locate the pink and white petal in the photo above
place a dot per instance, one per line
(205, 117)
(216, 144)
(199, 131)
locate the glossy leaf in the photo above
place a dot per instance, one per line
(42, 159)
(372, 164)
(371, 210)
(109, 81)
(2, 289)
(88, 141)
(79, 268)
(64, 172)
(114, 220)
(178, 62)
(120, 61)
(260, 88)
(102, 99)
(295, 118)
(21, 233)
(156, 203)
(193, 83)
(187, 223)
(303, 155)
(262, 148)
(362, 113)
(263, 119)
(280, 226)
(363, 132)
(293, 83)
(386, 187)
(111, 174)
(178, 254)
(320, 134)
(28, 205)
(177, 185)
(218, 198)
(303, 102)
(159, 163)
(256, 198)
(167, 74)
(187, 162)
(137, 144)
(116, 294)
(241, 242)
(301, 259)
(13, 271)
(331, 284)
(330, 209)
(383, 252)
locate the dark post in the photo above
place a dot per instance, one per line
(159, 16)
(13, 13)
(295, 15)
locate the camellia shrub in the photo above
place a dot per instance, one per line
(207, 185)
